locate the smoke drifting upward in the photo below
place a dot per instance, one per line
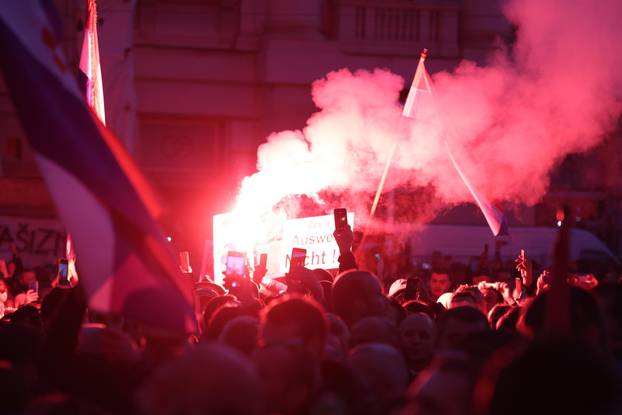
(508, 123)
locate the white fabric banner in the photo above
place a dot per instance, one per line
(315, 234)
(38, 241)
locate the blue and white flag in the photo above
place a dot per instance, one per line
(126, 266)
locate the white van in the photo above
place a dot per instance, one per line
(464, 242)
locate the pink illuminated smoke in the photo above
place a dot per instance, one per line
(555, 93)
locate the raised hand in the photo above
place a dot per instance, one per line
(344, 238)
(258, 273)
(31, 296)
(304, 281)
(525, 267)
(586, 282)
(544, 279)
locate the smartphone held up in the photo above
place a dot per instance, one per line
(297, 259)
(341, 218)
(63, 273)
(236, 262)
(235, 268)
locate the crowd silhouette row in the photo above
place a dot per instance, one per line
(426, 338)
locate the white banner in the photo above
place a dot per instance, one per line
(315, 234)
(38, 241)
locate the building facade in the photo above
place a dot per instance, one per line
(194, 86)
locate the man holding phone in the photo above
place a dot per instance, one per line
(29, 289)
(300, 279)
(344, 238)
(235, 269)
(63, 273)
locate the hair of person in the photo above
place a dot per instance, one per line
(465, 314)
(374, 330)
(397, 311)
(584, 312)
(496, 312)
(349, 287)
(323, 275)
(509, 320)
(52, 302)
(214, 304)
(382, 367)
(416, 306)
(337, 326)
(553, 376)
(210, 378)
(220, 318)
(304, 312)
(241, 333)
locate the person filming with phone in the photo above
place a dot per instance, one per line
(27, 289)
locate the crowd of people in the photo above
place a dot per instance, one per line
(421, 338)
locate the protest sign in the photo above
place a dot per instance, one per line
(38, 241)
(315, 234)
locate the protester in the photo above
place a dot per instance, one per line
(295, 321)
(325, 346)
(417, 338)
(356, 295)
(477, 337)
(383, 369)
(209, 379)
(6, 301)
(438, 284)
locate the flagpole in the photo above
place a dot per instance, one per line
(382, 181)
(496, 229)
(557, 305)
(383, 178)
(422, 58)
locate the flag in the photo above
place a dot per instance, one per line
(70, 255)
(90, 68)
(494, 217)
(89, 63)
(421, 95)
(127, 268)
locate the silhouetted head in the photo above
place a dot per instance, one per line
(338, 339)
(290, 377)
(508, 321)
(554, 377)
(457, 323)
(241, 333)
(209, 379)
(468, 296)
(417, 339)
(220, 318)
(294, 321)
(416, 306)
(585, 320)
(445, 388)
(382, 368)
(214, 304)
(496, 313)
(356, 295)
(374, 330)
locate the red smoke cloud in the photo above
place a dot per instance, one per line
(509, 123)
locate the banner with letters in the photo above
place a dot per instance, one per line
(38, 241)
(315, 234)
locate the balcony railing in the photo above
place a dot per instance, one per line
(391, 26)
